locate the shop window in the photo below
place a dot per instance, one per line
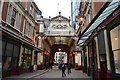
(9, 56)
(15, 56)
(14, 62)
(9, 49)
(115, 39)
(26, 58)
(3, 47)
(16, 51)
(7, 63)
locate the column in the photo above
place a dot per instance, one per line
(97, 53)
(38, 61)
(87, 54)
(98, 71)
(20, 61)
(32, 63)
(83, 55)
(109, 73)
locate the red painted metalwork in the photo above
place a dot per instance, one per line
(109, 75)
(39, 67)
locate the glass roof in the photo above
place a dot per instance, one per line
(112, 6)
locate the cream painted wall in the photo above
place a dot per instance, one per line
(78, 59)
(39, 58)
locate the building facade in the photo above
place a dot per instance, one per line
(98, 40)
(75, 4)
(18, 37)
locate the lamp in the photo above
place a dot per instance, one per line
(80, 18)
(59, 49)
(39, 37)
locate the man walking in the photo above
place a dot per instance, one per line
(69, 67)
(63, 70)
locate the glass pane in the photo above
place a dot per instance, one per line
(7, 63)
(16, 51)
(14, 13)
(26, 50)
(9, 49)
(31, 9)
(29, 51)
(12, 21)
(26, 62)
(3, 47)
(115, 39)
(14, 62)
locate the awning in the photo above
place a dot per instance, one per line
(106, 12)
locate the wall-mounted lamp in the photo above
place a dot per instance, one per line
(116, 39)
(39, 37)
(59, 49)
(80, 18)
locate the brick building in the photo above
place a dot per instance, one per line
(19, 25)
(98, 38)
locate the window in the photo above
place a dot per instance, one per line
(7, 63)
(9, 49)
(3, 47)
(31, 9)
(15, 56)
(115, 39)
(16, 51)
(29, 30)
(9, 56)
(13, 17)
(18, 21)
(26, 58)
(9, 13)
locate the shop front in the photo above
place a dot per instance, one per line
(10, 56)
(26, 59)
(78, 62)
(113, 32)
(17, 56)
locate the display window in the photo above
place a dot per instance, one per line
(115, 41)
(26, 58)
(10, 52)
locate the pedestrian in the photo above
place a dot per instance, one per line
(63, 70)
(69, 67)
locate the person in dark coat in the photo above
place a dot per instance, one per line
(63, 70)
(69, 67)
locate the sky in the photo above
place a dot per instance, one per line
(52, 7)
